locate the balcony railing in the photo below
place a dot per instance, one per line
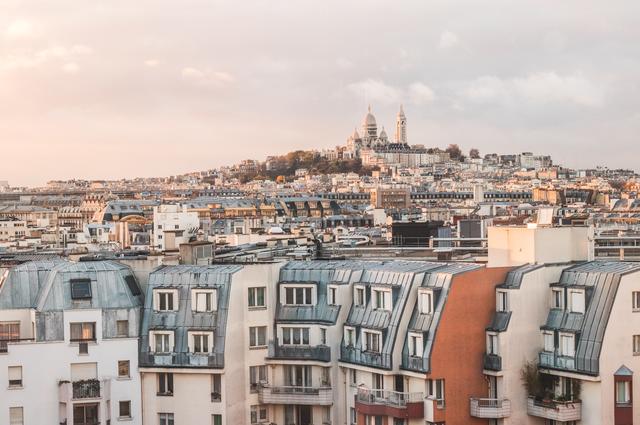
(4, 343)
(355, 355)
(300, 395)
(492, 362)
(555, 410)
(213, 360)
(490, 408)
(388, 398)
(417, 363)
(320, 353)
(554, 360)
(86, 389)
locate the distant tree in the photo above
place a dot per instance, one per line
(474, 153)
(454, 151)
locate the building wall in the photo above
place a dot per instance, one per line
(460, 341)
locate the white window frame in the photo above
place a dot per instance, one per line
(548, 341)
(166, 350)
(493, 343)
(193, 335)
(197, 300)
(425, 301)
(635, 301)
(255, 332)
(623, 397)
(382, 299)
(16, 415)
(311, 293)
(415, 344)
(577, 300)
(156, 299)
(332, 295)
(636, 345)
(567, 349)
(559, 291)
(359, 295)
(255, 290)
(365, 341)
(349, 336)
(14, 373)
(289, 334)
(502, 300)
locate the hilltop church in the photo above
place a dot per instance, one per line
(370, 138)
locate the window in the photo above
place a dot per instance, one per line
(636, 345)
(16, 416)
(623, 393)
(358, 296)
(258, 414)
(257, 297)
(216, 419)
(349, 337)
(435, 390)
(216, 387)
(378, 381)
(502, 301)
(353, 415)
(165, 384)
(9, 331)
(567, 345)
(123, 369)
(354, 376)
(124, 409)
(80, 289)
(133, 285)
(492, 344)
(425, 302)
(332, 295)
(323, 336)
(201, 342)
(162, 342)
(557, 298)
(415, 345)
(257, 336)
(635, 300)
(84, 331)
(549, 343)
(298, 295)
(85, 414)
(372, 341)
(203, 301)
(165, 419)
(15, 376)
(257, 375)
(295, 336)
(165, 300)
(122, 328)
(577, 301)
(381, 300)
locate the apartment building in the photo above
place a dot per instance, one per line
(173, 225)
(69, 344)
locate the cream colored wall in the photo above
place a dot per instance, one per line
(617, 351)
(523, 340)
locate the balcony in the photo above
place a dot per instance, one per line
(434, 411)
(390, 403)
(350, 354)
(554, 360)
(321, 353)
(555, 410)
(6, 342)
(417, 363)
(210, 360)
(492, 362)
(88, 389)
(313, 396)
(490, 408)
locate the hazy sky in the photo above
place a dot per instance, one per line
(122, 88)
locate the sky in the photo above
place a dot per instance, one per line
(120, 88)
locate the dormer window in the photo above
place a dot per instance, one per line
(349, 336)
(425, 301)
(576, 299)
(382, 299)
(203, 300)
(567, 345)
(557, 298)
(502, 301)
(166, 299)
(161, 342)
(80, 289)
(371, 340)
(492, 344)
(201, 342)
(298, 295)
(415, 345)
(358, 296)
(295, 336)
(332, 295)
(548, 341)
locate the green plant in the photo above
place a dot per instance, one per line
(531, 379)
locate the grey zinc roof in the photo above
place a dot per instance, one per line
(514, 277)
(184, 278)
(601, 280)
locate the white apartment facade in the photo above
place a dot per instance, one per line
(173, 225)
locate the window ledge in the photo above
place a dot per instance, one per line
(15, 387)
(257, 307)
(123, 378)
(258, 347)
(125, 418)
